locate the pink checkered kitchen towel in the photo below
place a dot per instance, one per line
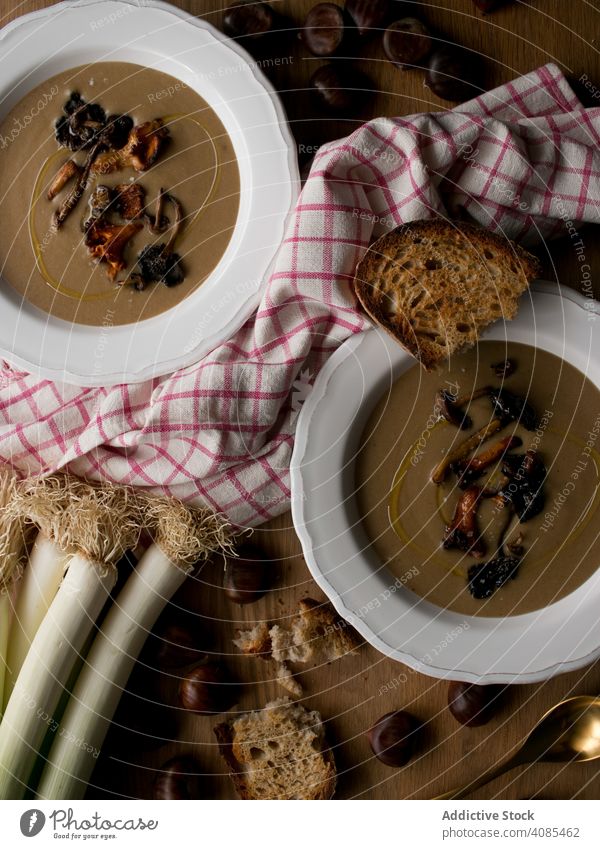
(523, 160)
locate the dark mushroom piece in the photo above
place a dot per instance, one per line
(463, 533)
(505, 368)
(143, 146)
(99, 202)
(159, 263)
(485, 578)
(449, 406)
(469, 470)
(464, 449)
(525, 490)
(510, 407)
(66, 172)
(158, 222)
(79, 127)
(446, 407)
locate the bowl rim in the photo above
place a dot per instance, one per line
(301, 492)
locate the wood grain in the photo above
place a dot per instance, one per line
(353, 693)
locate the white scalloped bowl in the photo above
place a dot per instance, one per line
(441, 643)
(148, 32)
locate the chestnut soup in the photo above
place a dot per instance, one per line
(129, 126)
(478, 484)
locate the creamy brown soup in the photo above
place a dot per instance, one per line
(405, 514)
(53, 270)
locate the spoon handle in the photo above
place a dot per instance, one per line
(461, 792)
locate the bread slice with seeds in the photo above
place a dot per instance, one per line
(279, 752)
(435, 285)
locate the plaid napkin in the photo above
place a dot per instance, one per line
(523, 160)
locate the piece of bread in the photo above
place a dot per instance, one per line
(434, 285)
(315, 634)
(279, 752)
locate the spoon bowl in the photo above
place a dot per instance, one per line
(568, 732)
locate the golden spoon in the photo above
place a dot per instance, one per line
(570, 731)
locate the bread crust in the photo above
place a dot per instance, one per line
(401, 303)
(225, 735)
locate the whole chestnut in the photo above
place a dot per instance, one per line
(340, 89)
(368, 14)
(178, 779)
(249, 19)
(208, 689)
(449, 73)
(139, 725)
(407, 42)
(323, 30)
(176, 642)
(473, 704)
(395, 737)
(247, 577)
(489, 5)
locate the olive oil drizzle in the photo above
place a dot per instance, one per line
(111, 291)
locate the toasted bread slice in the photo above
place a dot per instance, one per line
(436, 285)
(279, 752)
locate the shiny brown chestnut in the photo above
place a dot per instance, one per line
(473, 704)
(178, 779)
(339, 88)
(489, 5)
(247, 577)
(324, 29)
(176, 643)
(208, 689)
(450, 71)
(407, 42)
(395, 737)
(248, 19)
(140, 724)
(369, 14)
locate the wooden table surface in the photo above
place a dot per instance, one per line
(351, 694)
